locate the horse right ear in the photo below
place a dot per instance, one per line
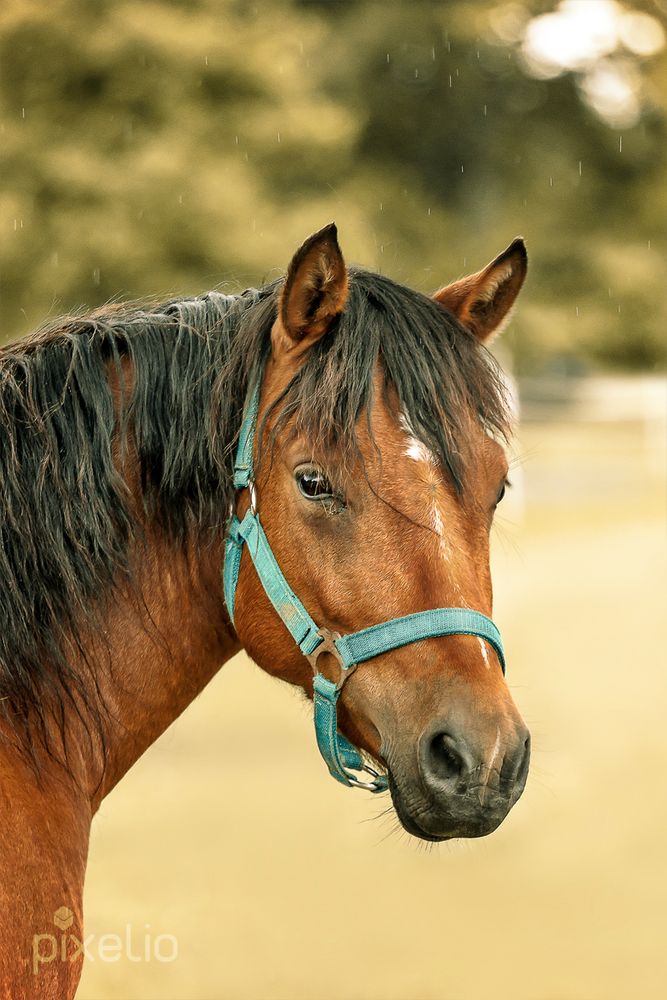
(314, 293)
(482, 301)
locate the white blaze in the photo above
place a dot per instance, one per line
(418, 452)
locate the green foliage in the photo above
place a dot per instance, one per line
(153, 148)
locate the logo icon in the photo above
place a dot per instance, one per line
(63, 918)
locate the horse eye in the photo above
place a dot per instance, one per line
(314, 485)
(501, 492)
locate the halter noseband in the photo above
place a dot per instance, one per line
(350, 650)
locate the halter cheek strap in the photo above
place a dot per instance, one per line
(341, 756)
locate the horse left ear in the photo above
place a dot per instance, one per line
(482, 301)
(315, 290)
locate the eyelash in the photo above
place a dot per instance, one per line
(329, 500)
(503, 489)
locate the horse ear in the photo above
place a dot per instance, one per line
(482, 301)
(315, 289)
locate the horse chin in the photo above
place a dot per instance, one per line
(436, 828)
(411, 827)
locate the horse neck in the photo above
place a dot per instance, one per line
(165, 640)
(162, 638)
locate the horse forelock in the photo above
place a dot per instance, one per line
(435, 376)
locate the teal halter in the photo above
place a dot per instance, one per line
(340, 755)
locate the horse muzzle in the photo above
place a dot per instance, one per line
(453, 787)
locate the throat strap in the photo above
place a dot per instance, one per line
(341, 756)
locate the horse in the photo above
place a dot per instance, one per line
(140, 445)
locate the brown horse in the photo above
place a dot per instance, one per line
(378, 470)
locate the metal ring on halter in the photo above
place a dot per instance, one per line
(358, 783)
(328, 645)
(252, 492)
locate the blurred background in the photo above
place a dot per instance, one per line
(159, 148)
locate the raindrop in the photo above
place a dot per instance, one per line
(551, 182)
(649, 244)
(96, 276)
(205, 60)
(381, 207)
(428, 211)
(461, 168)
(576, 310)
(450, 80)
(15, 224)
(433, 53)
(580, 168)
(619, 308)
(416, 74)
(620, 143)
(22, 112)
(54, 258)
(278, 136)
(485, 110)
(236, 139)
(180, 199)
(387, 57)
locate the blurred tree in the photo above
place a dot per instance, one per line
(165, 147)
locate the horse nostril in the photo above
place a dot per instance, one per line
(515, 766)
(522, 770)
(445, 760)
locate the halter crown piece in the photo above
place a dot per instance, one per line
(341, 756)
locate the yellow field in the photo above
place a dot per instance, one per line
(277, 883)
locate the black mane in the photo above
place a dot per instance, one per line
(170, 383)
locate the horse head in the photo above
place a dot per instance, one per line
(378, 468)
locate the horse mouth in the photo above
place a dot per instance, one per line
(444, 827)
(408, 823)
(411, 827)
